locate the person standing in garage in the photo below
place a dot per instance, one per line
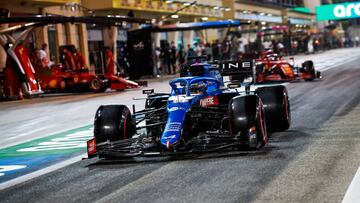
(69, 62)
(110, 62)
(80, 61)
(43, 56)
(173, 59)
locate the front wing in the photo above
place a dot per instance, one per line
(133, 147)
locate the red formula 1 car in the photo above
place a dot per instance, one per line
(271, 67)
(78, 77)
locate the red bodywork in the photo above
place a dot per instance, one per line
(21, 77)
(57, 78)
(19, 74)
(273, 68)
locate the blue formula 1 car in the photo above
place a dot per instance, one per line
(199, 115)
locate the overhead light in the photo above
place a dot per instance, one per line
(222, 8)
(187, 4)
(245, 11)
(168, 1)
(262, 14)
(174, 16)
(249, 21)
(216, 7)
(263, 23)
(269, 14)
(204, 18)
(227, 9)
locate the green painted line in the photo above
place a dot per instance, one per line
(18, 160)
(69, 141)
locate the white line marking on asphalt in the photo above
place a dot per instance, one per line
(353, 192)
(40, 172)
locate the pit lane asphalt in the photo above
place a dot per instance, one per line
(314, 161)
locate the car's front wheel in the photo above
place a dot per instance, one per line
(247, 120)
(113, 123)
(277, 107)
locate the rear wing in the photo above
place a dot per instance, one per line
(237, 68)
(238, 71)
(244, 68)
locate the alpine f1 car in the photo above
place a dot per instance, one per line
(271, 67)
(199, 115)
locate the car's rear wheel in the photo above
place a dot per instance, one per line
(277, 107)
(97, 85)
(309, 69)
(248, 121)
(113, 123)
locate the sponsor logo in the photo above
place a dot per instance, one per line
(338, 11)
(342, 11)
(173, 127)
(209, 101)
(175, 108)
(236, 65)
(179, 99)
(139, 46)
(169, 137)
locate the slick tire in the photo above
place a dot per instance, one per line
(309, 68)
(97, 86)
(277, 107)
(246, 112)
(113, 123)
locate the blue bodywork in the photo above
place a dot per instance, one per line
(185, 92)
(209, 70)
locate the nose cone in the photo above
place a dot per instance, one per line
(171, 133)
(174, 124)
